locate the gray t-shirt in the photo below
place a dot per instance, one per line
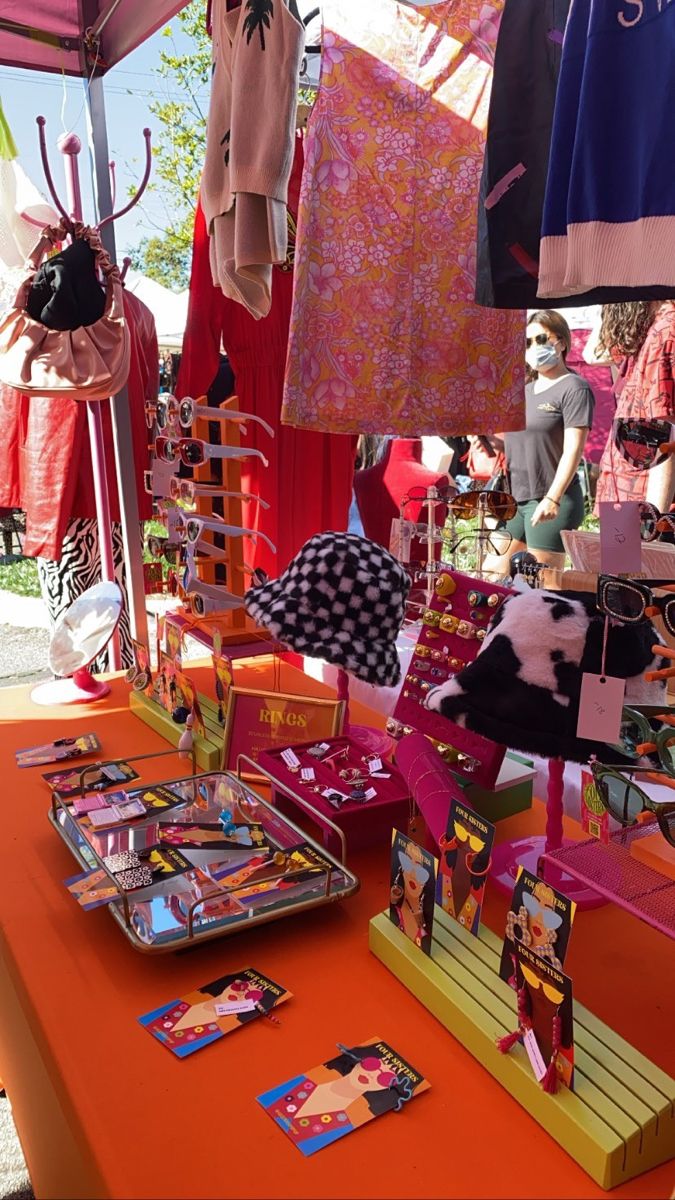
(533, 454)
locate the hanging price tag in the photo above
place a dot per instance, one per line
(307, 774)
(534, 1054)
(374, 764)
(371, 794)
(290, 758)
(620, 543)
(600, 708)
(235, 1006)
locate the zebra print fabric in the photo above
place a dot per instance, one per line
(63, 580)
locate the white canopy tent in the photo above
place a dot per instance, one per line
(168, 308)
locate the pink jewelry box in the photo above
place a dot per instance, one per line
(363, 823)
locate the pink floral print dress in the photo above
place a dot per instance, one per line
(385, 334)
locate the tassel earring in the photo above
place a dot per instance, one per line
(550, 1081)
(506, 1043)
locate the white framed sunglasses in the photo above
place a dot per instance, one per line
(194, 452)
(188, 410)
(195, 527)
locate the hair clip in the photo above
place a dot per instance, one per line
(412, 679)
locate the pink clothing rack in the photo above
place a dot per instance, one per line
(70, 146)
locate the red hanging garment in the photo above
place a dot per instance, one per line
(308, 483)
(54, 462)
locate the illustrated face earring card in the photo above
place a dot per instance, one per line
(412, 890)
(320, 1106)
(214, 1010)
(465, 863)
(546, 1019)
(540, 918)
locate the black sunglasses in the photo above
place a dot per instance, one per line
(640, 442)
(540, 339)
(627, 600)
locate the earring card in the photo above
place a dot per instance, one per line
(360, 1083)
(618, 1122)
(540, 918)
(465, 864)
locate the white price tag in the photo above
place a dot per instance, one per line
(290, 758)
(307, 774)
(374, 765)
(371, 794)
(235, 1006)
(534, 1055)
(380, 775)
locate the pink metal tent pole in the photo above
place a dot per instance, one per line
(70, 147)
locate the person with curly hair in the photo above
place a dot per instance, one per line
(642, 337)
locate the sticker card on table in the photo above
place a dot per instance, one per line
(92, 888)
(540, 918)
(594, 815)
(63, 748)
(465, 863)
(214, 1010)
(99, 778)
(620, 542)
(360, 1083)
(547, 1013)
(412, 890)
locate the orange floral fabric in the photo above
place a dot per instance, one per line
(385, 334)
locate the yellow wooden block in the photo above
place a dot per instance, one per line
(620, 1119)
(208, 751)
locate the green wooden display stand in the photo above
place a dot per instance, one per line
(620, 1119)
(208, 749)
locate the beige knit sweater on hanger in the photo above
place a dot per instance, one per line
(257, 53)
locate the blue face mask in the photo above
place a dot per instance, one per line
(538, 357)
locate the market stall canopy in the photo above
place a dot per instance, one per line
(61, 35)
(168, 308)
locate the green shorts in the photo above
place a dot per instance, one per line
(546, 536)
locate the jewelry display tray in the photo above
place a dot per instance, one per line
(168, 915)
(356, 824)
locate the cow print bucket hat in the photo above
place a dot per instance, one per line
(524, 687)
(342, 598)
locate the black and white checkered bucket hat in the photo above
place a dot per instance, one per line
(342, 598)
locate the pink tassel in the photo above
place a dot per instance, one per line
(550, 1081)
(507, 1042)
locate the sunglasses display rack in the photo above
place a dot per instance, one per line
(262, 866)
(620, 1119)
(342, 788)
(217, 558)
(454, 623)
(616, 872)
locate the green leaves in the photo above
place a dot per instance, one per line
(181, 108)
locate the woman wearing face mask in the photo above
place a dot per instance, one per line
(542, 459)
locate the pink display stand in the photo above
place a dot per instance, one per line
(529, 852)
(80, 688)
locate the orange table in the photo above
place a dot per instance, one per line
(103, 1110)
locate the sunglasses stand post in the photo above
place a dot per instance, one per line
(239, 636)
(529, 852)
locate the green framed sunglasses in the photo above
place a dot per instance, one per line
(638, 737)
(625, 801)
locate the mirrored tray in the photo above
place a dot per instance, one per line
(224, 890)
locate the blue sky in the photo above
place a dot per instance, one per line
(129, 90)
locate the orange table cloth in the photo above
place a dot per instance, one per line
(104, 1111)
